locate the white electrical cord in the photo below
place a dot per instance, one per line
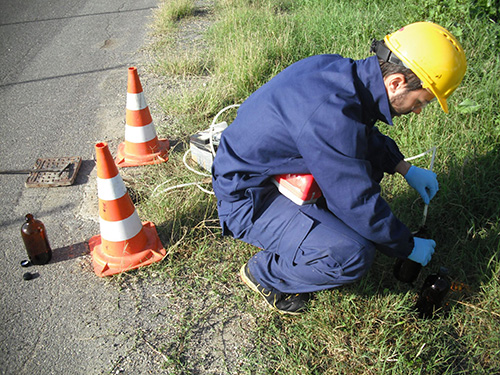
(197, 184)
(184, 160)
(211, 130)
(433, 150)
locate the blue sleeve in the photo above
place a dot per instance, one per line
(383, 153)
(335, 147)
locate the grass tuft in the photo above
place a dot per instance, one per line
(170, 13)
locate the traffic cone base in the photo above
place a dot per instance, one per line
(154, 152)
(106, 264)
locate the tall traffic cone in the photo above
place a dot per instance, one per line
(124, 243)
(141, 146)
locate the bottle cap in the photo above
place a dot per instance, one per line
(25, 263)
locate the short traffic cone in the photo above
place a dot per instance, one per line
(141, 146)
(124, 243)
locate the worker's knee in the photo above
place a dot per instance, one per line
(359, 264)
(331, 254)
(336, 264)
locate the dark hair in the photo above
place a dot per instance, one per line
(389, 68)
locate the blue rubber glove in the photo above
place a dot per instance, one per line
(423, 181)
(422, 251)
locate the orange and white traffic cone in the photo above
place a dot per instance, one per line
(124, 243)
(141, 146)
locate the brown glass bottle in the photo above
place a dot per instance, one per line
(407, 270)
(434, 289)
(35, 240)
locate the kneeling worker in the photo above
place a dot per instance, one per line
(317, 117)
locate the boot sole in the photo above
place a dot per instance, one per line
(252, 286)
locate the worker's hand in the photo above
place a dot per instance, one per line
(423, 250)
(423, 181)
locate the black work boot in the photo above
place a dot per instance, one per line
(284, 303)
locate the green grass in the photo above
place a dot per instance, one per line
(368, 327)
(170, 12)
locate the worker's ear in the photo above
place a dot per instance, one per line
(394, 82)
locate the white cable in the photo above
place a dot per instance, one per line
(205, 190)
(197, 172)
(184, 160)
(178, 186)
(433, 150)
(192, 169)
(211, 129)
(156, 188)
(197, 184)
(187, 184)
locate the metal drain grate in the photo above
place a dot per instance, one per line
(65, 174)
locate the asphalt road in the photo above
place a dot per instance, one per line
(62, 89)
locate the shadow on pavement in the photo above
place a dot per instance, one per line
(70, 252)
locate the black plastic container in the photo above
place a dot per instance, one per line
(35, 240)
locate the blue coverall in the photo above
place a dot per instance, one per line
(317, 116)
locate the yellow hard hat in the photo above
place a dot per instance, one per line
(433, 54)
